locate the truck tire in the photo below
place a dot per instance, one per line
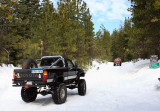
(120, 63)
(114, 64)
(59, 95)
(29, 94)
(29, 63)
(82, 87)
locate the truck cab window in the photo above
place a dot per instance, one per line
(48, 61)
(60, 64)
(70, 64)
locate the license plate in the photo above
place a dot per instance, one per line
(37, 71)
(29, 83)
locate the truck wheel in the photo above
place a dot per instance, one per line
(29, 95)
(29, 63)
(82, 87)
(114, 64)
(120, 63)
(60, 94)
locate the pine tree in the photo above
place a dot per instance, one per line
(120, 41)
(46, 29)
(7, 30)
(103, 44)
(146, 26)
(87, 25)
(67, 31)
(114, 46)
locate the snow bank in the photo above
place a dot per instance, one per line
(131, 87)
(6, 74)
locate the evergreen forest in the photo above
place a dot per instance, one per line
(34, 28)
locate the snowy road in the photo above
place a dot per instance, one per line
(131, 87)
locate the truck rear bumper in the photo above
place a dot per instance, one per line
(29, 85)
(32, 83)
(117, 63)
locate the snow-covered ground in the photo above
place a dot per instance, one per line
(131, 87)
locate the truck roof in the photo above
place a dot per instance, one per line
(154, 56)
(51, 57)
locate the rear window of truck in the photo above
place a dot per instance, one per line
(48, 61)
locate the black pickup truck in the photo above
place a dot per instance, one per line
(53, 76)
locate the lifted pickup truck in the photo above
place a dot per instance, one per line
(54, 75)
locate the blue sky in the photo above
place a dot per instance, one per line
(110, 13)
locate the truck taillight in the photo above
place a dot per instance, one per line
(13, 77)
(45, 76)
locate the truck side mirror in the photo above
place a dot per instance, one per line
(76, 64)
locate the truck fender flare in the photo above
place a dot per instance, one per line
(59, 79)
(81, 74)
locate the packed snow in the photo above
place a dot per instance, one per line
(131, 87)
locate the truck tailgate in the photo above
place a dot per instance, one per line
(28, 74)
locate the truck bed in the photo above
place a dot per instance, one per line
(35, 76)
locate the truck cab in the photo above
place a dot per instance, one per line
(153, 58)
